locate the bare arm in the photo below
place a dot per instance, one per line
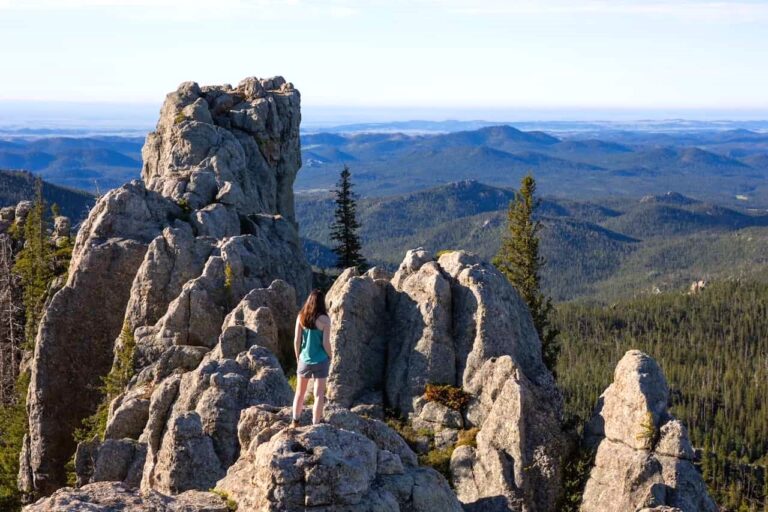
(325, 324)
(297, 339)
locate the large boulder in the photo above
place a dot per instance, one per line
(163, 261)
(644, 457)
(454, 321)
(350, 463)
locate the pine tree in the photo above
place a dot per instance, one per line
(35, 264)
(519, 260)
(345, 226)
(11, 322)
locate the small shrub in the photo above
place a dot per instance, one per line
(180, 118)
(450, 396)
(438, 459)
(413, 437)
(468, 437)
(648, 431)
(184, 205)
(443, 251)
(228, 277)
(231, 504)
(576, 468)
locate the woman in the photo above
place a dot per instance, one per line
(312, 346)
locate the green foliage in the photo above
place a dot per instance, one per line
(447, 395)
(648, 432)
(519, 260)
(231, 504)
(576, 470)
(179, 117)
(229, 277)
(438, 459)
(443, 251)
(413, 437)
(712, 347)
(13, 426)
(344, 230)
(112, 385)
(35, 265)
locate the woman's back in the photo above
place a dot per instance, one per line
(312, 351)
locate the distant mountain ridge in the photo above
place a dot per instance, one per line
(89, 163)
(727, 166)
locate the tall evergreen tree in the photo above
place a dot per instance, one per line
(519, 260)
(345, 226)
(35, 263)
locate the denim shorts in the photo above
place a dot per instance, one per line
(314, 371)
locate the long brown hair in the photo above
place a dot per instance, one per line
(313, 308)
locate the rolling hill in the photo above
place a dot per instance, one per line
(727, 166)
(593, 250)
(95, 164)
(17, 186)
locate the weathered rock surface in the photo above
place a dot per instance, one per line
(644, 458)
(238, 145)
(454, 321)
(169, 257)
(82, 321)
(113, 496)
(350, 464)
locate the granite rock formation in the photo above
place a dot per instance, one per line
(455, 321)
(169, 256)
(644, 458)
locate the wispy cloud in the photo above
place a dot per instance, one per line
(267, 9)
(737, 11)
(694, 10)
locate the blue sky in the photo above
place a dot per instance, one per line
(656, 55)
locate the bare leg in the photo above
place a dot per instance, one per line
(298, 398)
(317, 408)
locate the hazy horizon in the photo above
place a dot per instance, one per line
(656, 55)
(142, 116)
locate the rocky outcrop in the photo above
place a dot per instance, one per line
(167, 258)
(454, 321)
(224, 424)
(111, 496)
(644, 458)
(351, 463)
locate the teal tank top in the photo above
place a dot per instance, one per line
(312, 351)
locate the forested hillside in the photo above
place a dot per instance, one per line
(17, 186)
(713, 347)
(599, 250)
